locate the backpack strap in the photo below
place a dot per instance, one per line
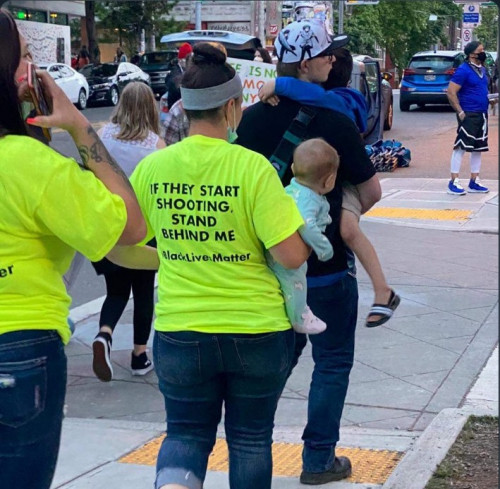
(294, 135)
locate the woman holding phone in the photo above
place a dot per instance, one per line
(49, 209)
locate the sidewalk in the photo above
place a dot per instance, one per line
(414, 381)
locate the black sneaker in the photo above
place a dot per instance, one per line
(141, 365)
(102, 357)
(341, 469)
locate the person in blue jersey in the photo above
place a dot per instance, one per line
(468, 95)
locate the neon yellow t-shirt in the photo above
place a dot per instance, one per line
(213, 207)
(49, 207)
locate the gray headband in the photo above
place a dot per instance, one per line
(211, 97)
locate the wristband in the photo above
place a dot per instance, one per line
(461, 112)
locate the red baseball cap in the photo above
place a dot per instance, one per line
(184, 50)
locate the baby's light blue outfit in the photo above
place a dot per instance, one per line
(314, 209)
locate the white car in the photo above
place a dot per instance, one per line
(72, 83)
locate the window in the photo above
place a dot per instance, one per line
(65, 71)
(158, 57)
(26, 14)
(104, 70)
(58, 18)
(371, 77)
(435, 63)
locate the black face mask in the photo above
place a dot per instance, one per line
(481, 57)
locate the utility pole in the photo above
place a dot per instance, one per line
(262, 22)
(341, 17)
(197, 15)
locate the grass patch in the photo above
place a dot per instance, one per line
(472, 461)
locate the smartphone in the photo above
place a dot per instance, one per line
(39, 100)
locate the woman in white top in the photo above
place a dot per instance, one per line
(132, 134)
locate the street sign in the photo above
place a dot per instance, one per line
(466, 36)
(471, 18)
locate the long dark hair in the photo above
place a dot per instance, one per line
(11, 121)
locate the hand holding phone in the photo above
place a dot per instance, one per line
(37, 95)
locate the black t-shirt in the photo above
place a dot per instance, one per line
(261, 130)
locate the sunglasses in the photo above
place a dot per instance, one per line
(329, 57)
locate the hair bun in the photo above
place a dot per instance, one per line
(207, 53)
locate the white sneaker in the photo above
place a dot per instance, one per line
(311, 325)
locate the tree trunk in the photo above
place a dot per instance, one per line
(95, 54)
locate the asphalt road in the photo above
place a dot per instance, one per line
(428, 132)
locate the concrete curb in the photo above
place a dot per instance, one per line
(420, 462)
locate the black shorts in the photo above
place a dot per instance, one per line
(472, 132)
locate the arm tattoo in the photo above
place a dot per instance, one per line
(98, 153)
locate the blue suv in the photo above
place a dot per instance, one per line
(426, 79)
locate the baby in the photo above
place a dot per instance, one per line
(315, 165)
(336, 95)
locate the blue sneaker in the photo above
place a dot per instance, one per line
(454, 187)
(476, 187)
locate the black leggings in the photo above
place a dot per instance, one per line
(119, 283)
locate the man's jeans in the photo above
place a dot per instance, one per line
(333, 355)
(32, 390)
(197, 373)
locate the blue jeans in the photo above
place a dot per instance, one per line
(333, 356)
(32, 390)
(197, 373)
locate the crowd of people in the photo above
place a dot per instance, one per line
(253, 234)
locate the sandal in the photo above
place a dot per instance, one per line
(384, 310)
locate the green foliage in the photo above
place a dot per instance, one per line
(401, 27)
(124, 21)
(487, 31)
(75, 25)
(362, 28)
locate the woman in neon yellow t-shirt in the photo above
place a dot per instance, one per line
(222, 336)
(49, 208)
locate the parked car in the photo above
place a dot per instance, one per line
(370, 81)
(157, 64)
(107, 80)
(426, 79)
(72, 83)
(239, 46)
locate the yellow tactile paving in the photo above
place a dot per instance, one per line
(425, 214)
(369, 466)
